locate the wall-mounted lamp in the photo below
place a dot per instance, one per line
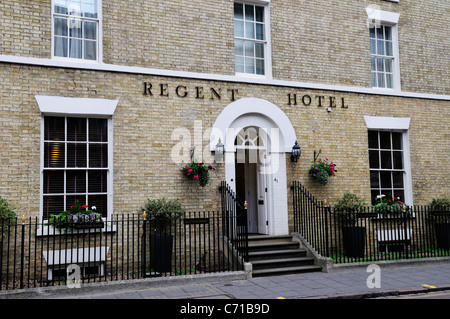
(220, 150)
(296, 152)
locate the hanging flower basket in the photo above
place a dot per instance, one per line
(321, 170)
(197, 172)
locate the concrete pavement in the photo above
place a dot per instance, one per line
(351, 282)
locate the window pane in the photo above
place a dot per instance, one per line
(76, 155)
(381, 82)
(259, 66)
(388, 33)
(90, 50)
(75, 8)
(385, 140)
(75, 49)
(71, 200)
(373, 64)
(388, 65)
(52, 205)
(98, 130)
(380, 47)
(386, 159)
(259, 50)
(100, 202)
(374, 160)
(60, 26)
(380, 64)
(389, 81)
(373, 46)
(399, 194)
(90, 30)
(398, 159)
(75, 28)
(54, 155)
(385, 180)
(397, 141)
(374, 180)
(397, 179)
(250, 66)
(374, 79)
(374, 194)
(249, 49)
(76, 129)
(372, 32)
(238, 11)
(53, 182)
(389, 49)
(259, 31)
(239, 61)
(259, 14)
(238, 29)
(249, 12)
(239, 47)
(54, 128)
(97, 181)
(61, 47)
(380, 34)
(249, 30)
(90, 8)
(98, 155)
(373, 139)
(60, 6)
(76, 182)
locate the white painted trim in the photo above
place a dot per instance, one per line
(387, 123)
(249, 106)
(382, 16)
(76, 106)
(214, 77)
(397, 124)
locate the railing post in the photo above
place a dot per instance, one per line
(246, 233)
(144, 241)
(22, 252)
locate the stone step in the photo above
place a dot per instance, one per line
(269, 239)
(252, 247)
(285, 270)
(282, 262)
(276, 254)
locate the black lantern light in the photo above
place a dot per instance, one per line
(296, 151)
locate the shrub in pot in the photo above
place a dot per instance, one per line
(440, 216)
(347, 210)
(161, 214)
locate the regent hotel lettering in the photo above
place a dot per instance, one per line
(200, 92)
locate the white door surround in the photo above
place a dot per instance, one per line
(275, 127)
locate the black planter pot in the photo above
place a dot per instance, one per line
(161, 252)
(442, 235)
(354, 239)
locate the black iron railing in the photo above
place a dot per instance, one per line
(36, 254)
(235, 211)
(370, 235)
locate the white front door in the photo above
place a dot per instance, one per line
(261, 182)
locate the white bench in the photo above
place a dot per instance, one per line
(58, 260)
(393, 239)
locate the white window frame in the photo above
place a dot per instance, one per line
(99, 40)
(78, 107)
(267, 42)
(396, 124)
(385, 18)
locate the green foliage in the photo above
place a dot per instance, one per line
(163, 209)
(7, 215)
(197, 171)
(389, 205)
(440, 203)
(322, 170)
(348, 206)
(76, 215)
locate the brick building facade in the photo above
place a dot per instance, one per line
(106, 100)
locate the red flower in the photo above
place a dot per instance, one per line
(195, 176)
(72, 207)
(85, 206)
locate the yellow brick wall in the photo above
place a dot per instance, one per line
(321, 42)
(143, 127)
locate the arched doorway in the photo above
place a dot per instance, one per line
(257, 135)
